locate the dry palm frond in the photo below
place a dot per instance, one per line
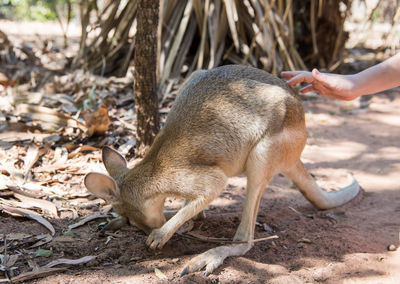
(273, 35)
(259, 33)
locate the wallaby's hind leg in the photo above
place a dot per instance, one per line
(318, 197)
(259, 172)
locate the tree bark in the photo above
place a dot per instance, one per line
(145, 86)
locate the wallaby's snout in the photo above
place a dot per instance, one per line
(121, 190)
(147, 223)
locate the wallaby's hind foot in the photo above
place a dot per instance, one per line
(214, 257)
(318, 197)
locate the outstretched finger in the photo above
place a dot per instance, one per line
(303, 77)
(318, 75)
(307, 89)
(289, 74)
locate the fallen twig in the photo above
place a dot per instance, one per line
(194, 236)
(41, 272)
(294, 210)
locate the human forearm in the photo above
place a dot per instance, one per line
(377, 78)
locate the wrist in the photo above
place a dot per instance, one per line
(356, 85)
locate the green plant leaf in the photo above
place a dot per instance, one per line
(68, 232)
(43, 252)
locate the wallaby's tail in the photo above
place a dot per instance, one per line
(318, 197)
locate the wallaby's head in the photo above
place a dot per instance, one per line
(124, 194)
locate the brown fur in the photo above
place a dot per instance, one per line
(224, 122)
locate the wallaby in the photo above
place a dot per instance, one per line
(226, 121)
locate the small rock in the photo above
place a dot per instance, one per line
(304, 240)
(267, 228)
(125, 148)
(136, 258)
(391, 248)
(52, 138)
(124, 259)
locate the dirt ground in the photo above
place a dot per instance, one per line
(343, 245)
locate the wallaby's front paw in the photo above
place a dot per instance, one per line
(157, 239)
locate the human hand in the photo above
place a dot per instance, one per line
(337, 86)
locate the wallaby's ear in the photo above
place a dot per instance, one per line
(113, 161)
(102, 186)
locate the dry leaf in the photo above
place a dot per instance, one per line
(106, 209)
(20, 239)
(22, 96)
(81, 149)
(31, 158)
(74, 212)
(6, 193)
(15, 236)
(81, 260)
(43, 239)
(45, 205)
(98, 121)
(87, 219)
(87, 204)
(4, 81)
(60, 156)
(25, 192)
(21, 135)
(8, 261)
(159, 274)
(30, 214)
(48, 116)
